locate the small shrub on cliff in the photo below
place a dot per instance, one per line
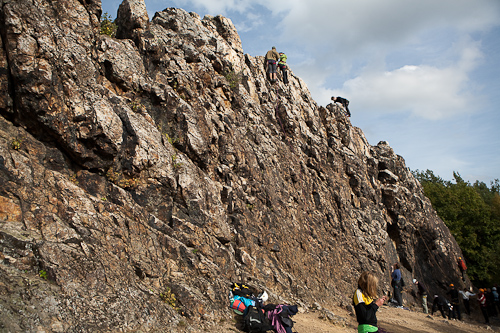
(175, 164)
(16, 143)
(171, 140)
(137, 106)
(233, 78)
(169, 297)
(112, 176)
(108, 26)
(118, 179)
(127, 183)
(43, 274)
(73, 179)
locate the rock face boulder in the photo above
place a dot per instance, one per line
(140, 175)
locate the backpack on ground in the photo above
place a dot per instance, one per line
(256, 321)
(238, 306)
(240, 289)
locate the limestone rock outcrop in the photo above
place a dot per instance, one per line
(163, 164)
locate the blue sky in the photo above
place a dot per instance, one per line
(423, 75)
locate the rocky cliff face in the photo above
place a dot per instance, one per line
(162, 163)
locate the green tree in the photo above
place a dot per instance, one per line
(108, 26)
(471, 212)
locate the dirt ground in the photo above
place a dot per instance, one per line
(391, 319)
(394, 320)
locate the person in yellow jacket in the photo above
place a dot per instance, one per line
(282, 65)
(365, 304)
(272, 57)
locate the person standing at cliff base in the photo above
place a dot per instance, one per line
(396, 284)
(490, 303)
(272, 57)
(365, 305)
(440, 303)
(481, 298)
(465, 298)
(496, 297)
(423, 292)
(455, 302)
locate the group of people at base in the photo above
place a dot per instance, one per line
(275, 60)
(366, 303)
(488, 299)
(257, 317)
(488, 303)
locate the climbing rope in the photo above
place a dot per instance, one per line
(430, 254)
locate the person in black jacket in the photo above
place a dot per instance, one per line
(455, 302)
(344, 102)
(440, 303)
(365, 304)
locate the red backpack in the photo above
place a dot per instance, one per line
(462, 265)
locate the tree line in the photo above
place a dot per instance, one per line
(472, 213)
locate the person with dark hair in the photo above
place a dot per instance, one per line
(365, 304)
(490, 303)
(396, 284)
(272, 56)
(440, 303)
(344, 102)
(455, 302)
(423, 292)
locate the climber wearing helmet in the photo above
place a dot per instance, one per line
(462, 266)
(455, 302)
(481, 298)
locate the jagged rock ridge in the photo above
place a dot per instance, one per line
(162, 160)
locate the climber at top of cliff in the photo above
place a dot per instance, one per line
(344, 102)
(282, 65)
(272, 56)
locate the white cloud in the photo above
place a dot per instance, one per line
(216, 7)
(427, 91)
(354, 26)
(397, 61)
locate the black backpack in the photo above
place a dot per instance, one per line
(241, 290)
(255, 321)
